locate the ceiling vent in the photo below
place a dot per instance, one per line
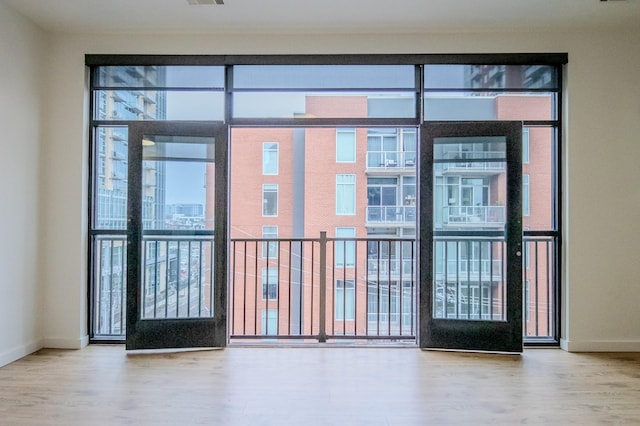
(203, 2)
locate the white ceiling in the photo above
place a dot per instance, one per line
(326, 16)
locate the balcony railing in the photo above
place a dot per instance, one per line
(319, 288)
(391, 214)
(473, 216)
(391, 159)
(475, 165)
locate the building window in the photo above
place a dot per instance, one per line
(526, 208)
(345, 251)
(382, 148)
(382, 200)
(346, 145)
(346, 195)
(269, 200)
(269, 322)
(409, 145)
(270, 248)
(525, 145)
(345, 300)
(269, 283)
(270, 158)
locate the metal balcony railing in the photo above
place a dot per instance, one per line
(475, 165)
(320, 288)
(391, 215)
(473, 215)
(391, 159)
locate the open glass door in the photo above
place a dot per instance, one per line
(177, 235)
(471, 236)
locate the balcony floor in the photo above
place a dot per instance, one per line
(102, 385)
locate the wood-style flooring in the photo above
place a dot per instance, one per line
(103, 385)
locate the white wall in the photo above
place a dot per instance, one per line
(21, 48)
(601, 280)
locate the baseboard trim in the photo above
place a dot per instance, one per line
(65, 343)
(16, 353)
(600, 345)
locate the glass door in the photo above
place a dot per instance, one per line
(471, 236)
(177, 235)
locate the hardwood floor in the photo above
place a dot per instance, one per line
(102, 385)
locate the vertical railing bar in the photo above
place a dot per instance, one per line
(378, 290)
(123, 282)
(277, 288)
(355, 287)
(446, 274)
(491, 307)
(333, 289)
(300, 285)
(413, 281)
(211, 277)
(401, 286)
(189, 279)
(366, 290)
(255, 309)
(389, 290)
(313, 249)
(200, 284)
(469, 251)
(179, 262)
(166, 279)
(344, 288)
(265, 294)
(322, 334)
(537, 292)
(290, 286)
(100, 283)
(480, 282)
(244, 294)
(502, 282)
(458, 286)
(233, 287)
(155, 279)
(547, 261)
(111, 288)
(526, 253)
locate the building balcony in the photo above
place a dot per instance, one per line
(391, 161)
(391, 215)
(473, 167)
(473, 216)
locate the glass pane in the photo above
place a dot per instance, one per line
(470, 183)
(323, 77)
(178, 182)
(324, 105)
(178, 194)
(160, 76)
(469, 195)
(490, 77)
(460, 106)
(541, 183)
(125, 104)
(110, 178)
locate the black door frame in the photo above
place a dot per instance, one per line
(188, 332)
(441, 333)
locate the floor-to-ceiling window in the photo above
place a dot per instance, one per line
(350, 134)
